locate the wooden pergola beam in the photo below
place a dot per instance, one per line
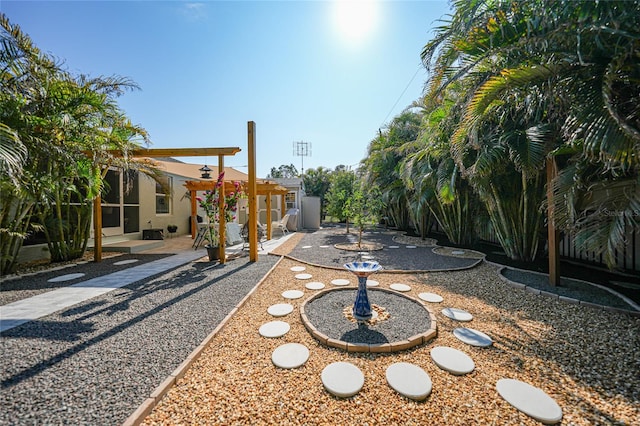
(178, 152)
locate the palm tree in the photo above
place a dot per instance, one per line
(579, 59)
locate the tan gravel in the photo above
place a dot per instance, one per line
(587, 360)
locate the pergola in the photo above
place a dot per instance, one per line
(262, 188)
(251, 189)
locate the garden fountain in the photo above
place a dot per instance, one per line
(331, 316)
(362, 270)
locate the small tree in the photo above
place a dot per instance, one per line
(340, 191)
(364, 207)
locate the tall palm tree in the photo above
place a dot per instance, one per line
(580, 60)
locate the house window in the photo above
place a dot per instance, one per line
(290, 200)
(163, 195)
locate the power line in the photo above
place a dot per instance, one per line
(401, 95)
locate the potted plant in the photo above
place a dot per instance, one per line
(210, 204)
(172, 228)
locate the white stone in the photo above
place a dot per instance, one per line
(67, 277)
(531, 400)
(368, 257)
(409, 380)
(372, 283)
(457, 314)
(303, 276)
(340, 281)
(325, 246)
(125, 262)
(452, 360)
(431, 297)
(306, 247)
(290, 355)
(457, 252)
(274, 329)
(400, 287)
(411, 247)
(472, 337)
(314, 285)
(292, 294)
(394, 247)
(298, 268)
(280, 309)
(342, 379)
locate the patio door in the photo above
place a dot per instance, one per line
(112, 211)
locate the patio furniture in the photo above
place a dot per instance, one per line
(281, 225)
(262, 234)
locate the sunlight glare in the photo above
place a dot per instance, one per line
(355, 19)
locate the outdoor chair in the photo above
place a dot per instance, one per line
(262, 234)
(281, 225)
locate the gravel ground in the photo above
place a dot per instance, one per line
(587, 360)
(96, 362)
(17, 287)
(420, 258)
(575, 289)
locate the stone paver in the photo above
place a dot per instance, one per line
(290, 355)
(342, 379)
(457, 314)
(452, 360)
(292, 294)
(274, 329)
(280, 309)
(409, 380)
(431, 297)
(472, 337)
(531, 400)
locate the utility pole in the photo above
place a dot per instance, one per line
(302, 149)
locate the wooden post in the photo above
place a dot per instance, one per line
(221, 216)
(553, 236)
(194, 213)
(253, 189)
(269, 230)
(97, 229)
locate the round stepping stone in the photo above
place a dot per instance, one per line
(342, 379)
(532, 401)
(400, 287)
(274, 329)
(303, 276)
(340, 281)
(411, 247)
(298, 268)
(125, 262)
(292, 294)
(306, 247)
(452, 360)
(394, 247)
(280, 309)
(457, 314)
(431, 297)
(290, 355)
(409, 380)
(67, 277)
(472, 337)
(367, 257)
(315, 285)
(372, 283)
(361, 253)
(457, 252)
(325, 246)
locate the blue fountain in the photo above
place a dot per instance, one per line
(362, 270)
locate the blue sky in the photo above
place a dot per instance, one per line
(206, 68)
